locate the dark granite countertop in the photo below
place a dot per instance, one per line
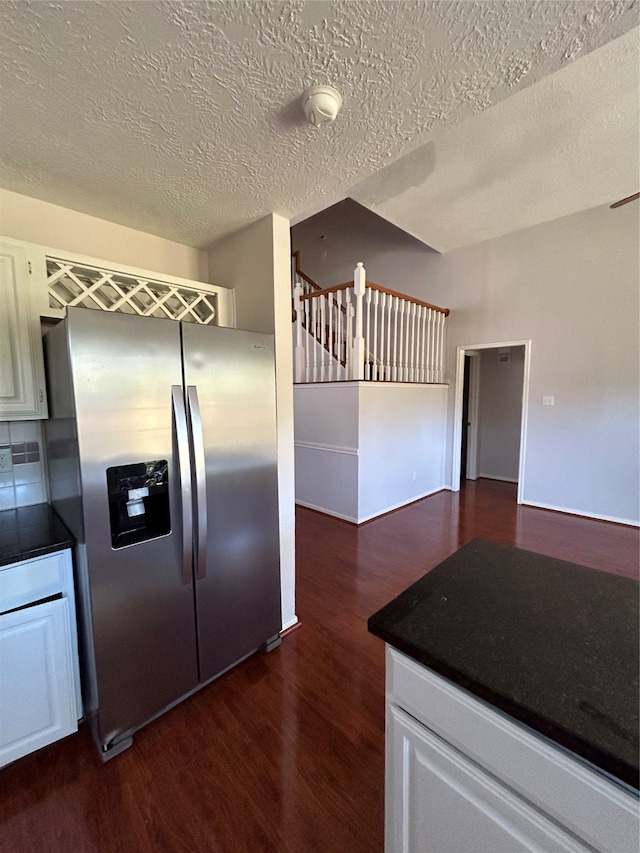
(550, 643)
(31, 531)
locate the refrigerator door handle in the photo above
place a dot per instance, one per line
(184, 468)
(201, 480)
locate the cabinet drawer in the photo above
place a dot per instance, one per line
(596, 810)
(29, 580)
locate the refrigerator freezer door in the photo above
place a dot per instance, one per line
(238, 592)
(144, 636)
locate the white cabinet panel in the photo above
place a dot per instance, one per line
(443, 803)
(37, 679)
(22, 388)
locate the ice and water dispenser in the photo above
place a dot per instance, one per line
(138, 502)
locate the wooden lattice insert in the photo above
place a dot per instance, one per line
(72, 283)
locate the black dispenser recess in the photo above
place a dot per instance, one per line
(138, 502)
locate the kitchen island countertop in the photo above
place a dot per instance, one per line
(31, 531)
(552, 644)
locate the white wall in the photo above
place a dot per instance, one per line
(326, 447)
(401, 430)
(500, 414)
(34, 221)
(365, 448)
(257, 263)
(572, 287)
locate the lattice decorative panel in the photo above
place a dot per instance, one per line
(92, 287)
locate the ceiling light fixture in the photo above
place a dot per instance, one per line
(321, 104)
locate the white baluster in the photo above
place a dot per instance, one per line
(359, 285)
(348, 350)
(407, 329)
(436, 354)
(432, 342)
(323, 334)
(396, 312)
(383, 336)
(338, 329)
(314, 319)
(401, 341)
(299, 353)
(423, 335)
(367, 335)
(412, 375)
(442, 343)
(375, 360)
(307, 357)
(330, 336)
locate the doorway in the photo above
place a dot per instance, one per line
(501, 414)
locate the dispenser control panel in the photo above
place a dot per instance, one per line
(138, 502)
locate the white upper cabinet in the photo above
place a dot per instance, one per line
(22, 386)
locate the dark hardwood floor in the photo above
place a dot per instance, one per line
(285, 753)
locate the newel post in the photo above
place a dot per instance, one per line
(359, 286)
(300, 359)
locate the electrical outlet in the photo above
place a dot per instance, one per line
(548, 401)
(6, 462)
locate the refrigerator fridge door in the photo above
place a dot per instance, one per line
(230, 379)
(141, 592)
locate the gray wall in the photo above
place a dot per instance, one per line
(571, 287)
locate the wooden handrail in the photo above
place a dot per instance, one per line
(320, 291)
(379, 288)
(333, 289)
(404, 296)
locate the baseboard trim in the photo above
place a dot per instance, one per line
(326, 511)
(402, 504)
(374, 515)
(289, 625)
(500, 479)
(594, 515)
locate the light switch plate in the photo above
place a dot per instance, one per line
(548, 401)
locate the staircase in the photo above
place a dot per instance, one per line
(360, 330)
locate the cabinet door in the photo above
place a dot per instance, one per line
(37, 691)
(22, 390)
(437, 801)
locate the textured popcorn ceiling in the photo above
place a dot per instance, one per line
(183, 119)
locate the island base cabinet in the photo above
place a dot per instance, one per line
(440, 802)
(462, 777)
(37, 702)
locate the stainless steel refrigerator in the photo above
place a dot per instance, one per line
(161, 450)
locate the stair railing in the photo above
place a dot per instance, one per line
(360, 330)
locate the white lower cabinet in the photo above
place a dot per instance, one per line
(463, 778)
(445, 804)
(39, 683)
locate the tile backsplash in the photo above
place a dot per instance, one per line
(22, 469)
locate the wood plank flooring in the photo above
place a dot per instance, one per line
(284, 754)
